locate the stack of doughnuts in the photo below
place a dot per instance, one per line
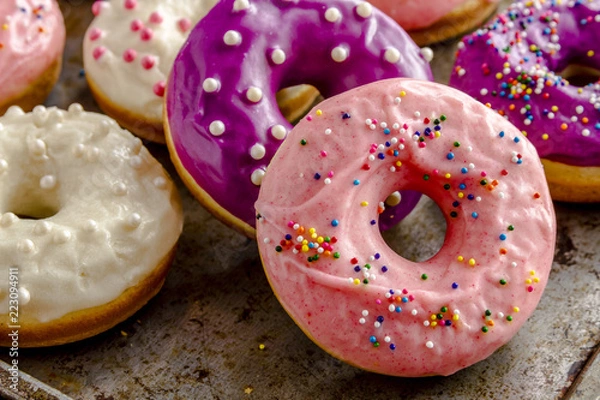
(32, 40)
(222, 122)
(89, 221)
(520, 65)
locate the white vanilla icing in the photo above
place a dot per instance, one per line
(85, 211)
(130, 46)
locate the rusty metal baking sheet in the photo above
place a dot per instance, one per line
(216, 331)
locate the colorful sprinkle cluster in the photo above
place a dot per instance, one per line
(527, 53)
(308, 242)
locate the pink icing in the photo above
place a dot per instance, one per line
(32, 37)
(220, 98)
(417, 14)
(515, 65)
(352, 294)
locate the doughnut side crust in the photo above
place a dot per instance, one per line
(572, 183)
(462, 19)
(338, 279)
(86, 213)
(82, 324)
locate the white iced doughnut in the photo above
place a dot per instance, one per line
(88, 218)
(128, 52)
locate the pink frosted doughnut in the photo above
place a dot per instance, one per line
(222, 120)
(32, 39)
(433, 21)
(341, 283)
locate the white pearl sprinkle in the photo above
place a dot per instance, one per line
(278, 56)
(232, 38)
(62, 236)
(211, 85)
(387, 339)
(328, 131)
(26, 246)
(78, 150)
(90, 226)
(414, 312)
(254, 94)
(429, 344)
(119, 189)
(42, 227)
(135, 162)
(134, 220)
(266, 240)
(585, 132)
(24, 296)
(513, 264)
(76, 108)
(339, 54)
(160, 182)
(392, 55)
(364, 9)
(579, 109)
(377, 324)
(425, 323)
(92, 154)
(48, 182)
(278, 132)
(136, 145)
(391, 308)
(3, 166)
(217, 128)
(332, 14)
(37, 147)
(239, 5)
(327, 181)
(257, 151)
(257, 176)
(427, 54)
(483, 91)
(8, 219)
(361, 321)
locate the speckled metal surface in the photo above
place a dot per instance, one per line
(200, 336)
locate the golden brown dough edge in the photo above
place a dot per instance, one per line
(142, 126)
(572, 184)
(461, 20)
(85, 323)
(37, 92)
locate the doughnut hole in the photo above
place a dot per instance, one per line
(28, 201)
(421, 234)
(296, 101)
(580, 75)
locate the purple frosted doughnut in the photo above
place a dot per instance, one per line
(515, 64)
(223, 123)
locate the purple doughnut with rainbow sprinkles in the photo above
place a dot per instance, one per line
(223, 124)
(521, 65)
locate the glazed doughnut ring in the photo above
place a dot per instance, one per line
(341, 283)
(520, 65)
(222, 121)
(88, 219)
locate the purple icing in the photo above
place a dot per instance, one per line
(222, 165)
(539, 41)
